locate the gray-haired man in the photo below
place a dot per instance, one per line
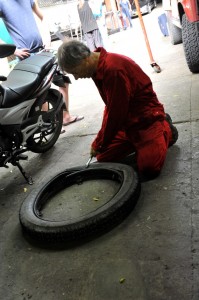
(134, 120)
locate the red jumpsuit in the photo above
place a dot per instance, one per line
(134, 119)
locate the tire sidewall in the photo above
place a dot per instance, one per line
(31, 221)
(190, 37)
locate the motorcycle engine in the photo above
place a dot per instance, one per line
(9, 142)
(9, 139)
(5, 144)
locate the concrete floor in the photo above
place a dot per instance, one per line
(155, 249)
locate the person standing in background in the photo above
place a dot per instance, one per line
(125, 9)
(97, 7)
(89, 25)
(19, 19)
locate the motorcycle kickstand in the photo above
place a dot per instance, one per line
(27, 178)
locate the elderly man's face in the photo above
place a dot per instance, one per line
(84, 70)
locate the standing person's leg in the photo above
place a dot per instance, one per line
(97, 38)
(67, 118)
(103, 31)
(124, 21)
(62, 82)
(129, 18)
(90, 41)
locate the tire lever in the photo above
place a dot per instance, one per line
(88, 162)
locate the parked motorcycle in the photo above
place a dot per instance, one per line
(31, 112)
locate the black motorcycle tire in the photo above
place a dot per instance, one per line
(41, 147)
(89, 225)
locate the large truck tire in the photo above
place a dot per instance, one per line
(190, 37)
(175, 32)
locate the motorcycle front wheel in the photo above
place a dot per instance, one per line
(46, 136)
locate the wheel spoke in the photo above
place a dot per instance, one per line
(45, 137)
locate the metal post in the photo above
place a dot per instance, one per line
(153, 64)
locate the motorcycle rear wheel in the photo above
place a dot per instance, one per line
(45, 138)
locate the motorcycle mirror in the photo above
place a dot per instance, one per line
(7, 50)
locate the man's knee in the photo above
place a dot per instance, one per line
(151, 161)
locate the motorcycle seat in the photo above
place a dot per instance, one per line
(25, 78)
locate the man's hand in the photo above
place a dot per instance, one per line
(93, 152)
(22, 53)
